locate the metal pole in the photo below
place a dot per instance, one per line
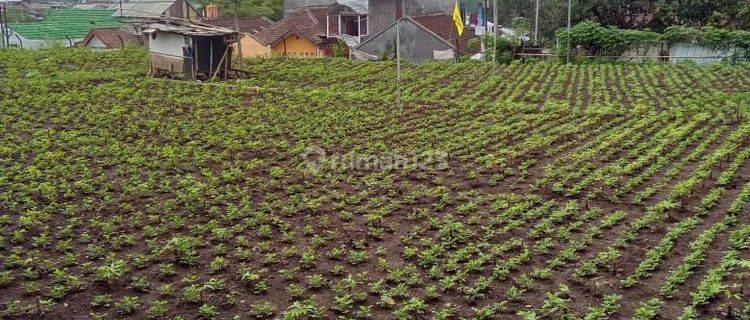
(239, 34)
(2, 26)
(458, 48)
(536, 24)
(570, 14)
(398, 63)
(494, 34)
(485, 16)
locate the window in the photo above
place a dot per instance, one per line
(349, 25)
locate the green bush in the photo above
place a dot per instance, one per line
(505, 48)
(600, 40)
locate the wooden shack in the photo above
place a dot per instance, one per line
(189, 50)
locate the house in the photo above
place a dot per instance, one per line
(423, 37)
(380, 13)
(60, 27)
(251, 29)
(315, 31)
(146, 9)
(111, 38)
(188, 50)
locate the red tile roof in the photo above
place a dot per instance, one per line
(252, 26)
(441, 24)
(113, 37)
(308, 22)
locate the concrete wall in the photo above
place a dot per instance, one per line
(676, 51)
(251, 48)
(23, 42)
(296, 46)
(383, 12)
(417, 45)
(419, 7)
(695, 50)
(38, 44)
(636, 54)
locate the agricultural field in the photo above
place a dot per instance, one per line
(527, 191)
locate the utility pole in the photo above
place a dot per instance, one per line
(536, 24)
(239, 34)
(570, 14)
(2, 26)
(485, 16)
(398, 63)
(494, 34)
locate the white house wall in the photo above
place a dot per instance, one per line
(96, 43)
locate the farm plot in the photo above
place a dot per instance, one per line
(538, 191)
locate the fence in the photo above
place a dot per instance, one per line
(737, 56)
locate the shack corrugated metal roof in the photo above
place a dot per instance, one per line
(193, 29)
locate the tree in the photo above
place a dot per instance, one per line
(252, 8)
(698, 13)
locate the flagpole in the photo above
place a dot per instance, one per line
(458, 47)
(458, 23)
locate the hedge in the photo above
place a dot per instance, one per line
(599, 39)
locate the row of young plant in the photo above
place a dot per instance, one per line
(600, 85)
(655, 255)
(160, 198)
(699, 249)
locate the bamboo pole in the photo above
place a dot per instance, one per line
(220, 62)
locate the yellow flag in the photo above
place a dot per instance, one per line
(457, 20)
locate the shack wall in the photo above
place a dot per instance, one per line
(167, 43)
